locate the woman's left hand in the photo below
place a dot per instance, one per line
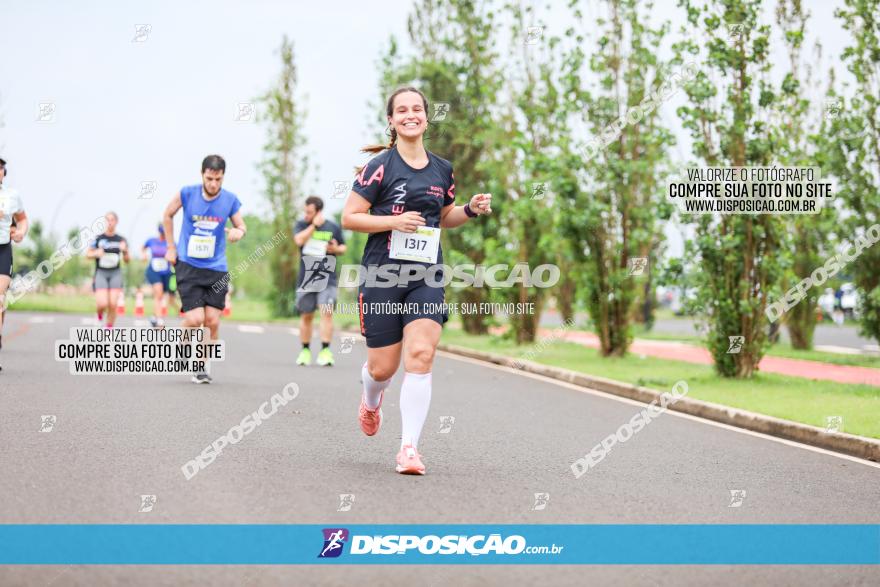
(481, 204)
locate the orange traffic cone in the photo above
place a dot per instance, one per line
(139, 304)
(227, 311)
(120, 304)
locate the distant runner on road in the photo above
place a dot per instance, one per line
(318, 238)
(158, 274)
(200, 254)
(108, 250)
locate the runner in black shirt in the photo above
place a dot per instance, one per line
(403, 197)
(108, 250)
(318, 238)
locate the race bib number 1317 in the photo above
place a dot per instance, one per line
(421, 245)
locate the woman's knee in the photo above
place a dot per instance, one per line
(419, 356)
(382, 370)
(383, 366)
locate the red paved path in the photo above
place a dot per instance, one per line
(689, 353)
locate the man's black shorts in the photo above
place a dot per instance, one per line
(201, 287)
(6, 259)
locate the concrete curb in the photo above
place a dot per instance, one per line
(857, 446)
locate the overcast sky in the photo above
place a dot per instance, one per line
(133, 107)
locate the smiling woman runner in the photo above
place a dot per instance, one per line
(403, 197)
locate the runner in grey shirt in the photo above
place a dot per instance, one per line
(319, 239)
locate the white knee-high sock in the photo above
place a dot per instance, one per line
(415, 399)
(372, 388)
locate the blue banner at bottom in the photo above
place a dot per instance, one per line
(165, 544)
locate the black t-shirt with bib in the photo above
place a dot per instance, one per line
(393, 187)
(324, 233)
(112, 245)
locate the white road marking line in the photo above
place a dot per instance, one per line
(41, 319)
(141, 323)
(293, 331)
(250, 329)
(840, 350)
(626, 400)
(90, 321)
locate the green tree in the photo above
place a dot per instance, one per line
(852, 151)
(534, 166)
(736, 255)
(614, 213)
(809, 243)
(283, 168)
(38, 247)
(76, 270)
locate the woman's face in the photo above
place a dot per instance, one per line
(408, 116)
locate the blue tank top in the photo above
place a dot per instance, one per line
(157, 263)
(202, 241)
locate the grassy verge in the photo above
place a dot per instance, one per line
(243, 310)
(792, 398)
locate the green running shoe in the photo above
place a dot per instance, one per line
(325, 357)
(305, 357)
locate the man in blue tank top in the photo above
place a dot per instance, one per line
(199, 256)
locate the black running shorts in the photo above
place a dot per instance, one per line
(384, 312)
(6, 259)
(201, 287)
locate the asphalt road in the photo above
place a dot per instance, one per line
(116, 438)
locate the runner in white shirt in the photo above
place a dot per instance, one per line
(13, 228)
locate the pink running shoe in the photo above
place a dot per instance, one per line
(370, 420)
(409, 461)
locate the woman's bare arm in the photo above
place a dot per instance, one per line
(356, 217)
